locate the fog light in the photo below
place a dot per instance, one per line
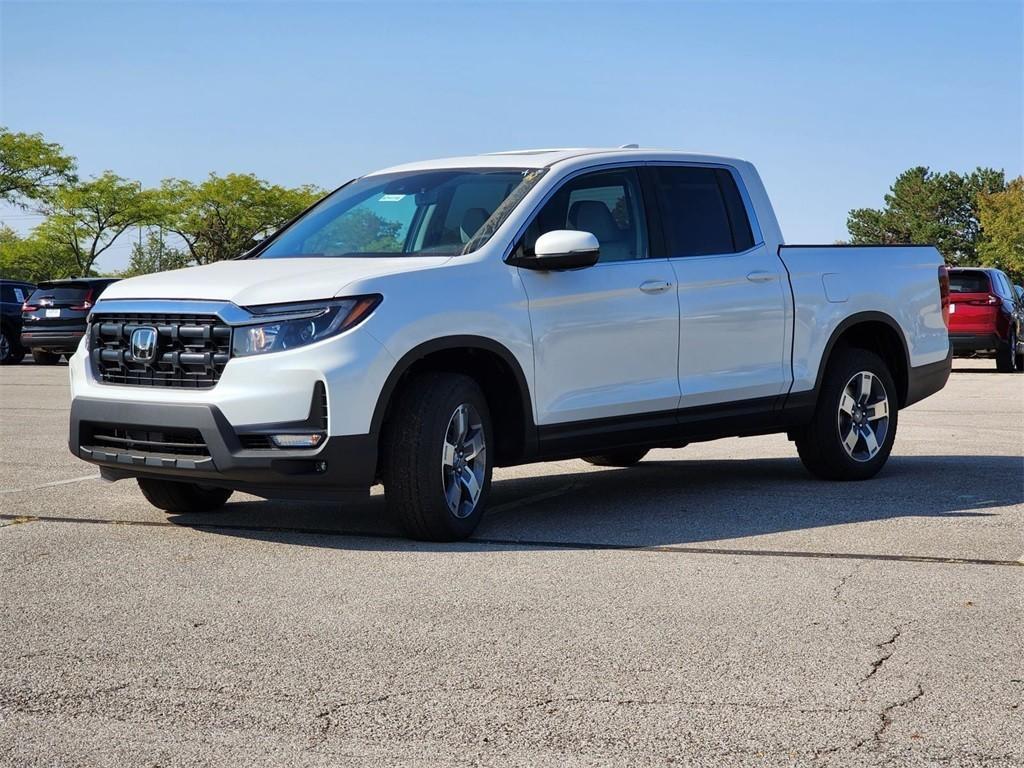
(298, 441)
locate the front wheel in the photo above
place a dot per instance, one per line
(854, 424)
(182, 498)
(10, 352)
(436, 458)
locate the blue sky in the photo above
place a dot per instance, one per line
(830, 99)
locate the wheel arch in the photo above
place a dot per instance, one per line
(495, 369)
(876, 332)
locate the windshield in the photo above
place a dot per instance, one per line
(438, 212)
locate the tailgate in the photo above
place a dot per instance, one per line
(972, 313)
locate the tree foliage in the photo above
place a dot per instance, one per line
(1002, 223)
(358, 231)
(31, 167)
(225, 216)
(154, 255)
(929, 208)
(34, 258)
(89, 216)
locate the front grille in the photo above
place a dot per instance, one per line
(162, 441)
(191, 350)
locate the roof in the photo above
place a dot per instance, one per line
(544, 158)
(73, 280)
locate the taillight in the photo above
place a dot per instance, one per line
(26, 307)
(944, 293)
(86, 303)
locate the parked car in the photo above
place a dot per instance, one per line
(986, 317)
(426, 323)
(54, 316)
(12, 294)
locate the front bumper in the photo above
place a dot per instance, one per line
(58, 342)
(341, 465)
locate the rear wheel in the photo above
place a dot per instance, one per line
(10, 352)
(181, 498)
(854, 424)
(42, 357)
(1006, 357)
(627, 457)
(436, 462)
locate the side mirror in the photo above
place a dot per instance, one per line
(562, 249)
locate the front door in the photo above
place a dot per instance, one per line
(605, 338)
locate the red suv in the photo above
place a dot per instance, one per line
(986, 317)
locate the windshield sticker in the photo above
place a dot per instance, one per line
(389, 198)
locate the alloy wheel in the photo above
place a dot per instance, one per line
(464, 460)
(863, 416)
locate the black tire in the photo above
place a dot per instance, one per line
(10, 352)
(412, 454)
(820, 444)
(625, 457)
(1006, 357)
(182, 498)
(42, 357)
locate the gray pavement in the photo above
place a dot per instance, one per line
(713, 606)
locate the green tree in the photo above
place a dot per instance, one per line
(225, 216)
(927, 207)
(31, 167)
(154, 255)
(33, 258)
(1002, 226)
(88, 217)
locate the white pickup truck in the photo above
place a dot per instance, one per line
(426, 323)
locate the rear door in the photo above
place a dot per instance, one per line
(732, 289)
(605, 338)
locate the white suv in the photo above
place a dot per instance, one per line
(426, 323)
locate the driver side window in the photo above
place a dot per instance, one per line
(608, 204)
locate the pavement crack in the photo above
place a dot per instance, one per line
(886, 649)
(837, 590)
(885, 717)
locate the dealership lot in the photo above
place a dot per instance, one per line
(712, 606)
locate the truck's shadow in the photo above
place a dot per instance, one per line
(654, 503)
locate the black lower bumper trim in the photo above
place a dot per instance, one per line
(343, 464)
(64, 342)
(925, 380)
(969, 343)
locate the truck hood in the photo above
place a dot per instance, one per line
(248, 282)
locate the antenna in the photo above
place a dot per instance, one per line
(630, 146)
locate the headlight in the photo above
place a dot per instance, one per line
(295, 325)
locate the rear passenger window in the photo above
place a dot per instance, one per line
(1004, 286)
(701, 211)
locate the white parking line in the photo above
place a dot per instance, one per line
(50, 485)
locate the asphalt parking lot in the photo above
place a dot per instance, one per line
(713, 606)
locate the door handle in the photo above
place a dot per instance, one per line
(760, 276)
(655, 286)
